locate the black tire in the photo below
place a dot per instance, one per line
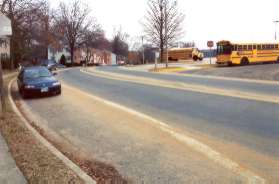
(200, 59)
(195, 58)
(244, 61)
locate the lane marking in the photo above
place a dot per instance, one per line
(185, 86)
(196, 145)
(76, 169)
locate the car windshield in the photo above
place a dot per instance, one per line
(36, 73)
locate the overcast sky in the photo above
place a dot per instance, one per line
(237, 20)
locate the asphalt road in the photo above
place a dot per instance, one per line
(246, 131)
(205, 81)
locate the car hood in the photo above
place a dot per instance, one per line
(40, 80)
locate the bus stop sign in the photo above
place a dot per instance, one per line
(210, 44)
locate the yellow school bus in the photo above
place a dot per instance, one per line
(178, 54)
(245, 53)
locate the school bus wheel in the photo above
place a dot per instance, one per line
(195, 58)
(244, 61)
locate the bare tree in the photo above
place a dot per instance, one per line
(72, 20)
(163, 24)
(119, 43)
(92, 38)
(30, 20)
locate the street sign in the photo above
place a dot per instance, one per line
(210, 44)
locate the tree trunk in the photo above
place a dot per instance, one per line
(2, 91)
(162, 53)
(72, 55)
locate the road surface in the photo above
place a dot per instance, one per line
(218, 83)
(246, 131)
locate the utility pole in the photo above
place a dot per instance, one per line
(276, 23)
(142, 50)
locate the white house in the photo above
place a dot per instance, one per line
(5, 31)
(56, 54)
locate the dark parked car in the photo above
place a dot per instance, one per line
(37, 80)
(50, 64)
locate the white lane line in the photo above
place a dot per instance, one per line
(76, 169)
(196, 145)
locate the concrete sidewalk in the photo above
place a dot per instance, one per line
(9, 172)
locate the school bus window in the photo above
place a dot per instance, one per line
(264, 47)
(254, 47)
(259, 47)
(268, 47)
(245, 47)
(276, 46)
(249, 47)
(272, 46)
(239, 48)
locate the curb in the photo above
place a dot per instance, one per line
(9, 75)
(77, 170)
